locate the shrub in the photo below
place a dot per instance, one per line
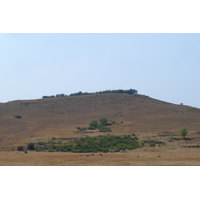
(152, 144)
(104, 129)
(142, 143)
(91, 128)
(31, 146)
(94, 124)
(53, 138)
(114, 122)
(105, 150)
(173, 138)
(40, 143)
(51, 142)
(18, 116)
(20, 148)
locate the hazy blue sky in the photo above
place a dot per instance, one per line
(162, 66)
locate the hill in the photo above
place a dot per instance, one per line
(58, 117)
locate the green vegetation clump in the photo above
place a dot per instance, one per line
(78, 128)
(142, 143)
(152, 144)
(52, 96)
(104, 129)
(51, 142)
(18, 116)
(99, 143)
(91, 128)
(40, 143)
(94, 124)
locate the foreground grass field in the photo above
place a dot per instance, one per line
(168, 157)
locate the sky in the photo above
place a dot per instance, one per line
(164, 66)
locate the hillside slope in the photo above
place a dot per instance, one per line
(59, 117)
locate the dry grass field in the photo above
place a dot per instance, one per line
(148, 118)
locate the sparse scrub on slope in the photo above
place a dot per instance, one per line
(102, 125)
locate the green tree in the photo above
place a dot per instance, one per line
(104, 121)
(184, 132)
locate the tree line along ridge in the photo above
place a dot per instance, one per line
(131, 91)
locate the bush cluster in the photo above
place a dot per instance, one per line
(104, 129)
(31, 146)
(93, 144)
(131, 91)
(57, 95)
(20, 148)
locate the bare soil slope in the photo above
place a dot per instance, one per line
(58, 117)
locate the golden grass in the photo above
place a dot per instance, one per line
(171, 157)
